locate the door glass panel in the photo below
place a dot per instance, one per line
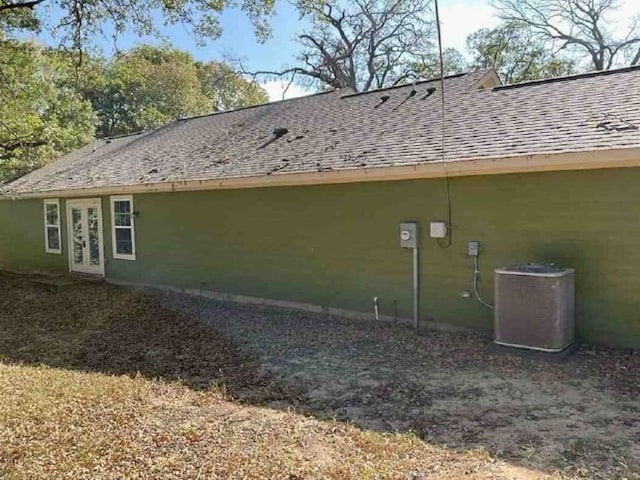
(85, 247)
(76, 233)
(94, 240)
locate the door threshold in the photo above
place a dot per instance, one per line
(87, 277)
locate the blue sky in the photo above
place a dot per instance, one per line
(468, 16)
(459, 19)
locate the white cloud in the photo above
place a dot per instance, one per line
(276, 88)
(460, 18)
(625, 15)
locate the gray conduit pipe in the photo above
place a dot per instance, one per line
(476, 290)
(415, 287)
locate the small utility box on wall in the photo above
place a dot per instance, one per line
(438, 229)
(409, 235)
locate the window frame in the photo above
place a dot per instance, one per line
(46, 202)
(114, 227)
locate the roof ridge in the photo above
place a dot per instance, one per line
(124, 135)
(564, 78)
(248, 107)
(419, 82)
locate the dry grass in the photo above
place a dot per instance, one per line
(66, 424)
(100, 382)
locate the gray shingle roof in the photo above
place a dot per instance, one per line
(338, 131)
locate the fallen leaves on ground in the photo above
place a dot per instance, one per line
(102, 382)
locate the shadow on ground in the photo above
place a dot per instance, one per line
(580, 418)
(97, 327)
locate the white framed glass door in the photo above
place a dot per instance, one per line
(86, 248)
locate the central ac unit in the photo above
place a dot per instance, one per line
(534, 307)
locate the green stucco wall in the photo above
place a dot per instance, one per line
(338, 245)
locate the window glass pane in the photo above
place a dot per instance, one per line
(124, 245)
(122, 206)
(122, 213)
(52, 214)
(122, 220)
(53, 238)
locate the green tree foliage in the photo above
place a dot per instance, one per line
(454, 62)
(144, 88)
(516, 54)
(226, 89)
(81, 22)
(49, 105)
(41, 116)
(149, 86)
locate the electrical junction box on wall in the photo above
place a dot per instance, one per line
(473, 248)
(409, 235)
(438, 229)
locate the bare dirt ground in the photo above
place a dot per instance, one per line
(102, 382)
(580, 418)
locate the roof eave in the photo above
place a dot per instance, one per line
(544, 162)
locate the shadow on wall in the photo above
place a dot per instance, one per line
(445, 387)
(582, 259)
(563, 254)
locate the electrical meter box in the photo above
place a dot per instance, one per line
(409, 235)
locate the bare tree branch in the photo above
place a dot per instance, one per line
(362, 44)
(580, 26)
(10, 147)
(18, 5)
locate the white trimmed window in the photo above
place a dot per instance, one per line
(123, 235)
(52, 239)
